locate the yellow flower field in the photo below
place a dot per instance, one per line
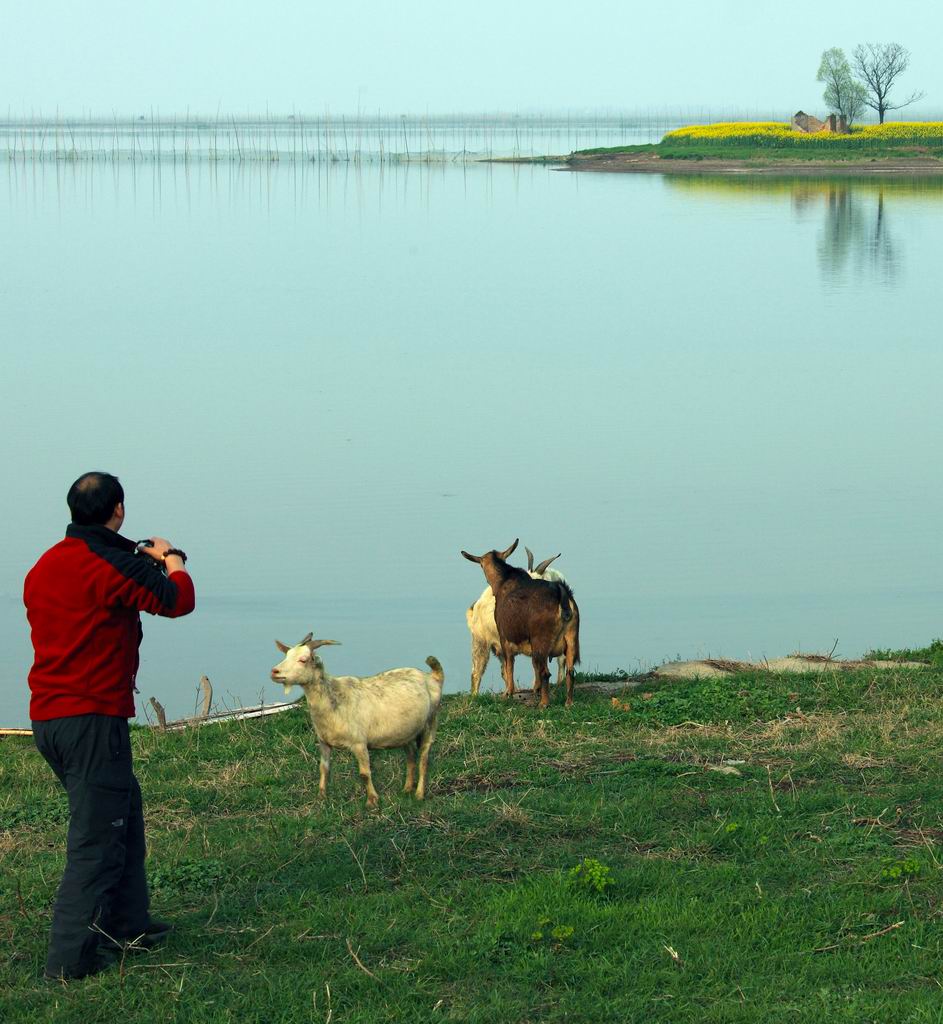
(776, 134)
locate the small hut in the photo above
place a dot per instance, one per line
(803, 122)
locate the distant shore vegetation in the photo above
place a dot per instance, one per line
(915, 144)
(781, 135)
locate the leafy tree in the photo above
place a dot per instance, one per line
(877, 66)
(842, 93)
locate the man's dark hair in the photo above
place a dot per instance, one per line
(92, 498)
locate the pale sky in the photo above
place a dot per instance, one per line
(418, 56)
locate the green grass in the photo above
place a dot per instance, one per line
(802, 882)
(932, 653)
(834, 152)
(605, 150)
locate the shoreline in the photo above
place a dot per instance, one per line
(592, 683)
(649, 163)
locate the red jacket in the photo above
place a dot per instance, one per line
(83, 599)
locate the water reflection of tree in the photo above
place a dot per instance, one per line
(856, 234)
(855, 237)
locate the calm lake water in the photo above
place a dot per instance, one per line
(321, 137)
(715, 396)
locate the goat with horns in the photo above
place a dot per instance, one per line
(534, 616)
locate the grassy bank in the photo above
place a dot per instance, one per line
(766, 141)
(762, 848)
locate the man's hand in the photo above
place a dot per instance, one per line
(158, 549)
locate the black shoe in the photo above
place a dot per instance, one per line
(139, 942)
(158, 929)
(100, 963)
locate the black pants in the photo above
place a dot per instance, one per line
(103, 888)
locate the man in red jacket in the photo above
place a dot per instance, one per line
(83, 601)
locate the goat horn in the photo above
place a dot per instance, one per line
(315, 644)
(507, 552)
(542, 568)
(284, 648)
(306, 639)
(530, 559)
(472, 558)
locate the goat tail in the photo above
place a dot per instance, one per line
(565, 597)
(437, 674)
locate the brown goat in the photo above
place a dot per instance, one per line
(534, 617)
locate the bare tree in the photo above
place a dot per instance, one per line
(842, 93)
(877, 66)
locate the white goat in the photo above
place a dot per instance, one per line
(399, 708)
(484, 630)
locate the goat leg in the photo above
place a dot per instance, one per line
(410, 766)
(480, 654)
(325, 768)
(541, 678)
(570, 661)
(507, 670)
(424, 744)
(363, 762)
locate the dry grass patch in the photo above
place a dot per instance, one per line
(851, 760)
(221, 776)
(512, 811)
(798, 731)
(27, 840)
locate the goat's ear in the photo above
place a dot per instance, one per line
(542, 568)
(507, 552)
(306, 640)
(530, 559)
(472, 558)
(315, 644)
(282, 647)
